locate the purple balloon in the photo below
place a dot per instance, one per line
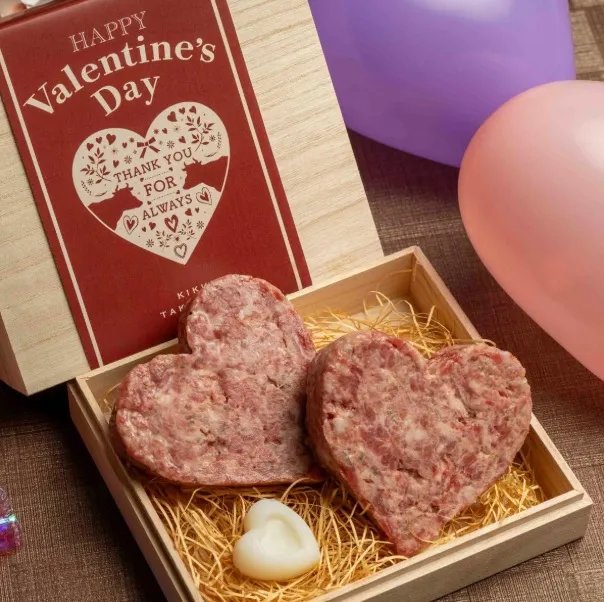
(423, 75)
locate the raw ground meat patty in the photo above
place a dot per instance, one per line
(246, 323)
(199, 427)
(416, 441)
(230, 412)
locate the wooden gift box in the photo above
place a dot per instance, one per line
(406, 275)
(40, 346)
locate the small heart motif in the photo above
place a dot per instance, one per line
(164, 130)
(144, 228)
(204, 196)
(181, 250)
(416, 441)
(124, 144)
(111, 139)
(115, 163)
(171, 117)
(188, 212)
(89, 146)
(277, 544)
(171, 222)
(182, 139)
(130, 223)
(99, 139)
(196, 209)
(182, 110)
(193, 109)
(152, 225)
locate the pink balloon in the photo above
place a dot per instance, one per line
(531, 193)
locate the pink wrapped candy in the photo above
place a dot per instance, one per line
(10, 532)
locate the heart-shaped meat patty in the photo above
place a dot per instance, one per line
(210, 428)
(232, 411)
(415, 440)
(246, 323)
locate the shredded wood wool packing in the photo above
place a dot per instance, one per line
(204, 526)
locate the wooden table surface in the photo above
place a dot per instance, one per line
(77, 546)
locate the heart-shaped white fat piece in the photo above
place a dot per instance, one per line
(277, 544)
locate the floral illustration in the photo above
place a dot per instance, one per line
(200, 129)
(187, 231)
(97, 167)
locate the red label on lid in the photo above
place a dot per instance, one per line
(148, 160)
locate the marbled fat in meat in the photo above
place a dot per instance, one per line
(200, 427)
(416, 441)
(231, 410)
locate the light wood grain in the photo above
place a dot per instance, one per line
(314, 157)
(436, 571)
(43, 345)
(428, 291)
(136, 507)
(288, 71)
(474, 557)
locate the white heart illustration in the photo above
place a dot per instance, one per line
(277, 544)
(157, 191)
(130, 223)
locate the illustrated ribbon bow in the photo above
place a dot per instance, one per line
(147, 144)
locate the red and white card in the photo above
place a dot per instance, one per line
(148, 160)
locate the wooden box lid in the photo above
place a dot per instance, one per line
(39, 343)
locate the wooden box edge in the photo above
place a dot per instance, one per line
(569, 510)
